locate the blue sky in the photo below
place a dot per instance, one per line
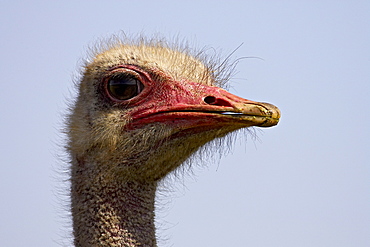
(303, 183)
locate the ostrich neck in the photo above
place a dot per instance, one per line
(111, 213)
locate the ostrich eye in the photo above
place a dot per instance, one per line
(124, 87)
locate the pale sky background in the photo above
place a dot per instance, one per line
(304, 183)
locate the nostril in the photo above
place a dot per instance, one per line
(210, 100)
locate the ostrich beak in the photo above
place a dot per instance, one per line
(193, 105)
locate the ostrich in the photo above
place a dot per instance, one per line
(143, 108)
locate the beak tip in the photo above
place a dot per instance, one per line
(274, 112)
(274, 115)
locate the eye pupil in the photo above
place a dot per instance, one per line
(123, 87)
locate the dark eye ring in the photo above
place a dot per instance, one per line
(124, 86)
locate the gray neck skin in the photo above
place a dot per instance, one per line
(112, 213)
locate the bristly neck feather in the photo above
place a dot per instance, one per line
(111, 213)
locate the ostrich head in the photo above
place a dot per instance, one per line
(141, 111)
